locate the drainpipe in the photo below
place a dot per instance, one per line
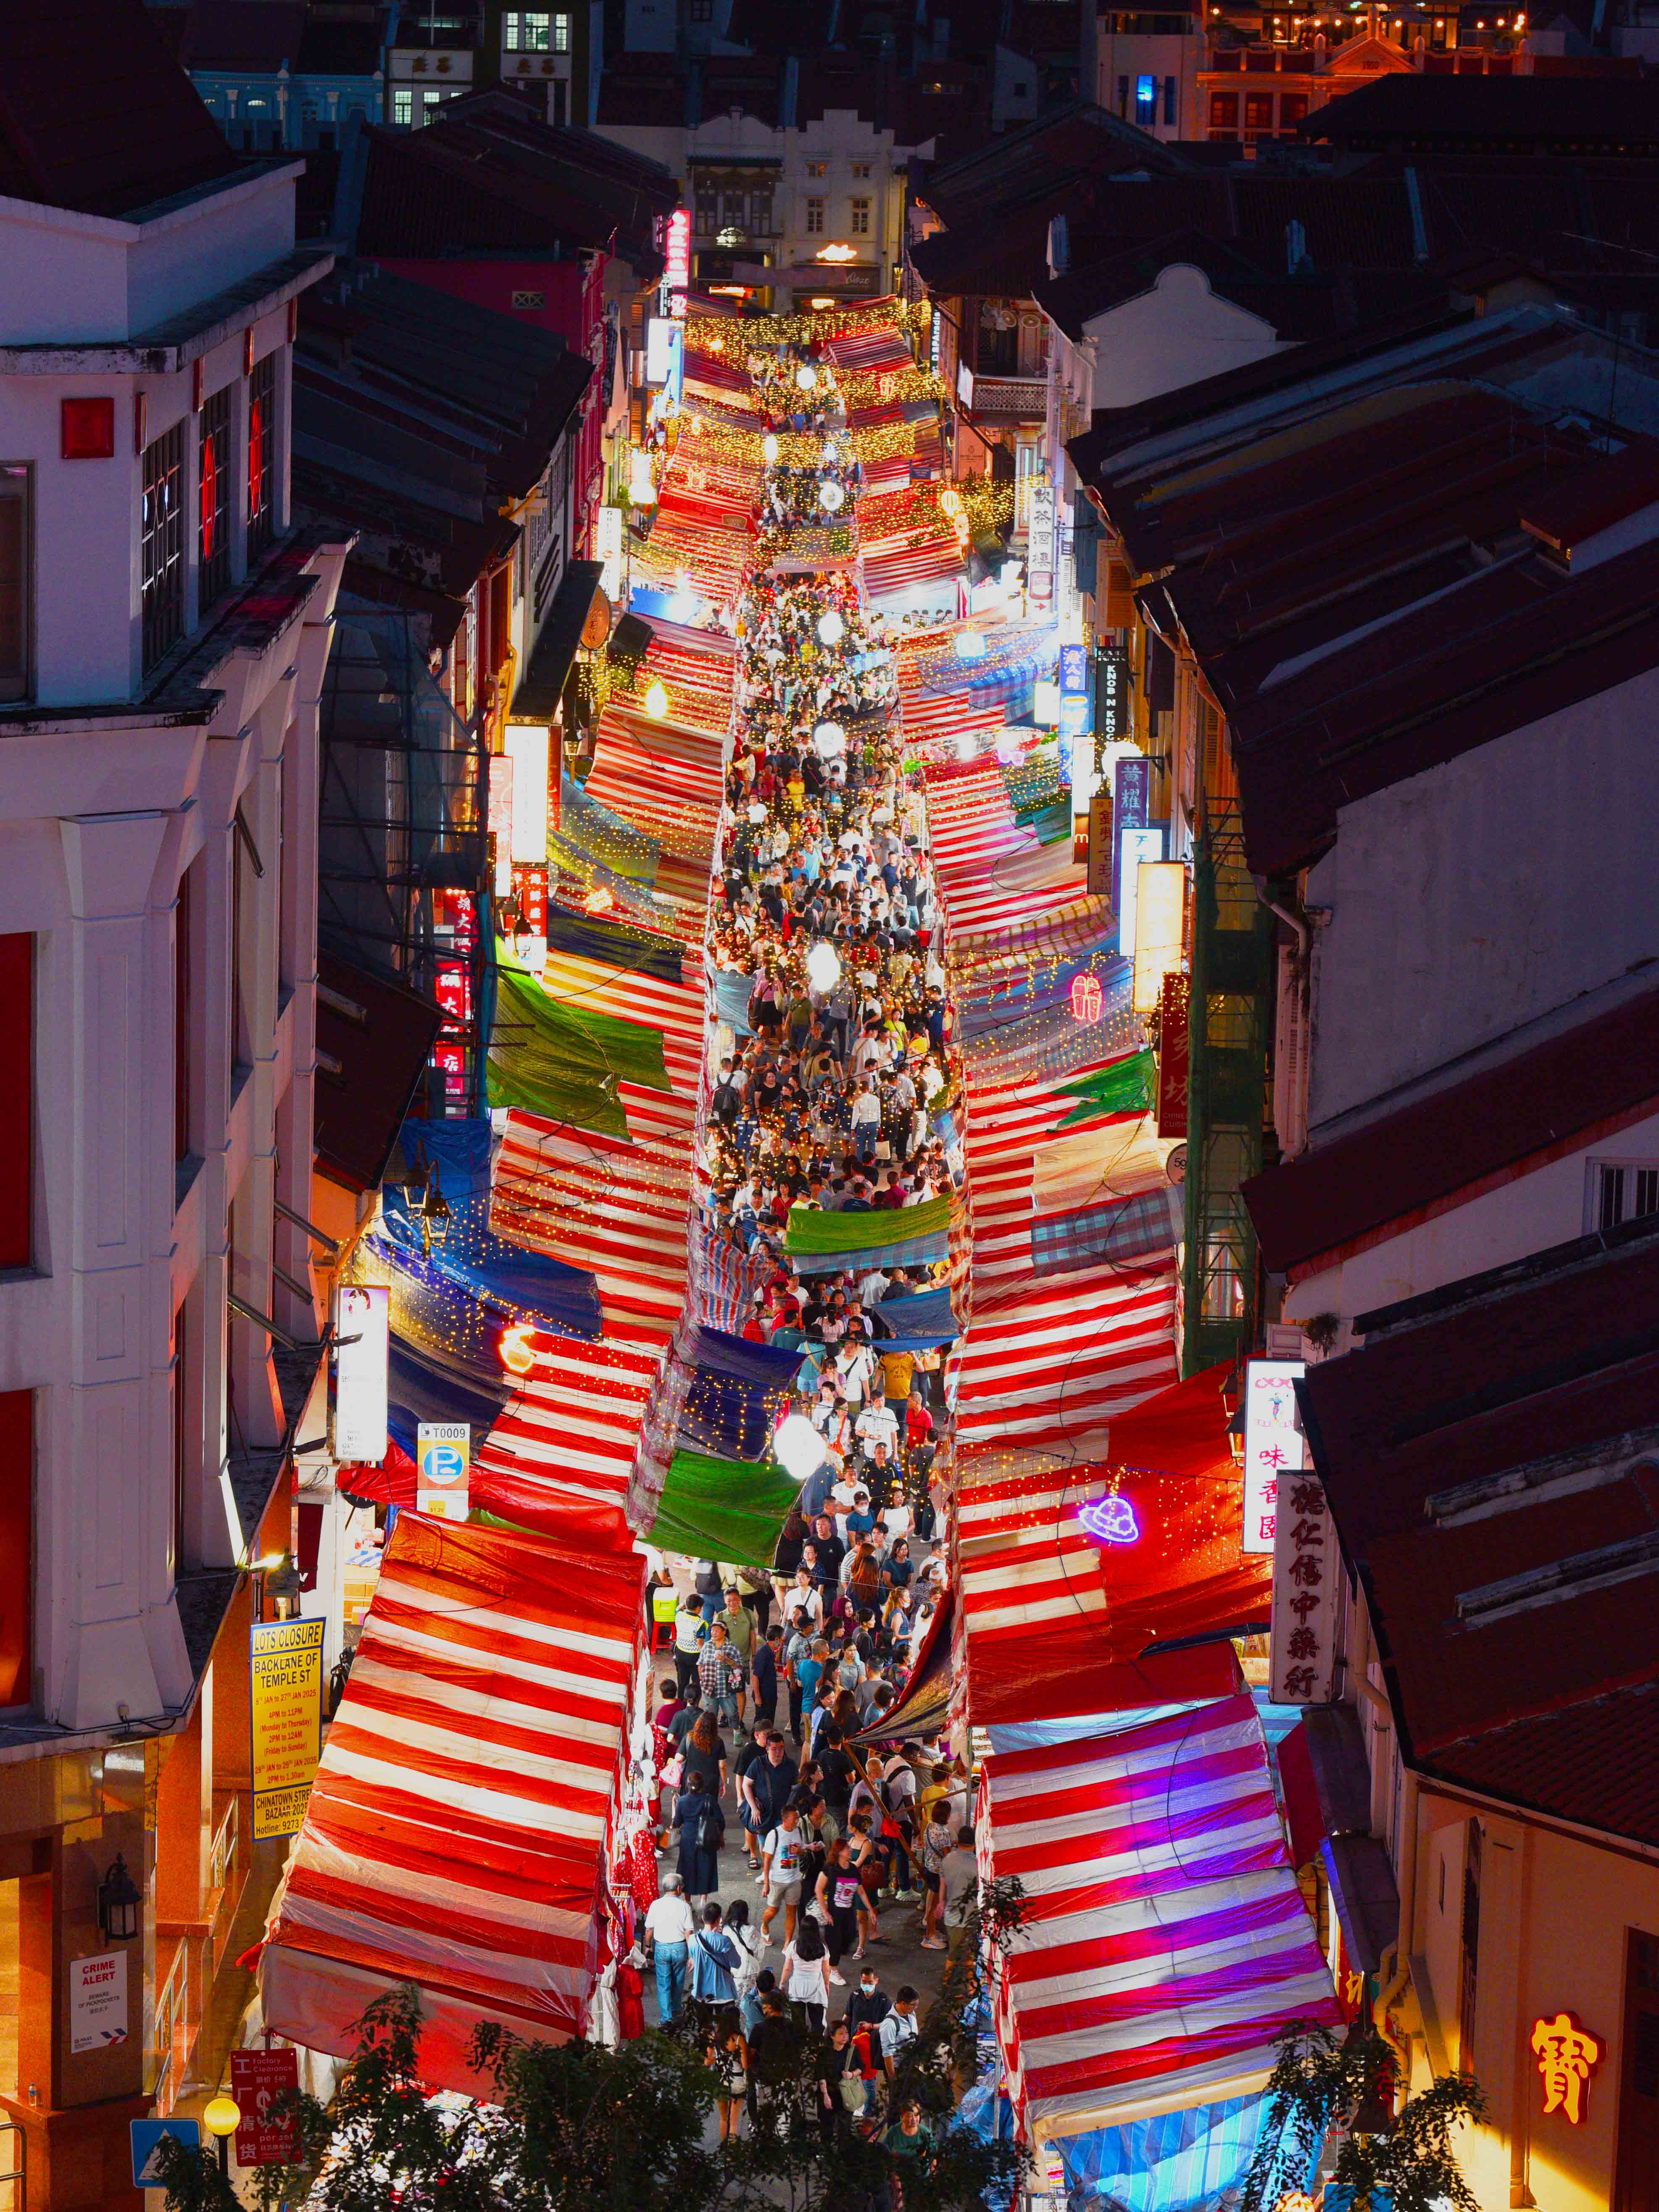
(1295, 921)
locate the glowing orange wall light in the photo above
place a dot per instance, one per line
(515, 1351)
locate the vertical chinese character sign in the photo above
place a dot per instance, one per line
(1272, 1444)
(1305, 1570)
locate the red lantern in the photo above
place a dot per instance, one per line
(1085, 997)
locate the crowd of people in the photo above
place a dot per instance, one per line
(831, 1088)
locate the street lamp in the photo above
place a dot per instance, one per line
(221, 2117)
(283, 1583)
(118, 1905)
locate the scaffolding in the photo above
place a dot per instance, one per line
(1231, 1007)
(402, 846)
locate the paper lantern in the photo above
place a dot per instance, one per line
(831, 628)
(1086, 1000)
(806, 377)
(656, 700)
(769, 447)
(823, 966)
(831, 497)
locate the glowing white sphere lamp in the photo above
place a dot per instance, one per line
(806, 377)
(798, 1448)
(829, 741)
(831, 498)
(769, 447)
(831, 628)
(823, 966)
(656, 700)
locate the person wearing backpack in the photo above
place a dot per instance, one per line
(702, 1824)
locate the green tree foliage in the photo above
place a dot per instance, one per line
(1320, 2083)
(574, 2127)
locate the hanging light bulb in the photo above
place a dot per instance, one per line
(828, 739)
(806, 377)
(516, 1351)
(798, 1448)
(769, 447)
(823, 966)
(656, 700)
(828, 456)
(831, 498)
(831, 628)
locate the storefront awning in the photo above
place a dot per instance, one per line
(374, 1039)
(457, 1828)
(537, 694)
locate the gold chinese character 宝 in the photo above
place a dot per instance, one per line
(1566, 2056)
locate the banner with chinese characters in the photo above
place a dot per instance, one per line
(1306, 1567)
(1273, 1442)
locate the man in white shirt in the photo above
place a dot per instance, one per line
(878, 1424)
(898, 2028)
(781, 1850)
(669, 1924)
(958, 1882)
(854, 1366)
(875, 1288)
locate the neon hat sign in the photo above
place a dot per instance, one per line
(1110, 1520)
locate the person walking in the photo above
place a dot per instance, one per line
(836, 1893)
(688, 1642)
(713, 1960)
(720, 1674)
(769, 1781)
(805, 1973)
(701, 1824)
(669, 1928)
(782, 1852)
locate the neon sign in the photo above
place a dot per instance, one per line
(1110, 1520)
(1086, 1000)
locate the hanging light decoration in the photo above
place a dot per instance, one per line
(831, 628)
(656, 700)
(798, 1448)
(769, 447)
(828, 739)
(823, 966)
(831, 497)
(806, 377)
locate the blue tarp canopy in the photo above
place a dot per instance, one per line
(738, 1390)
(916, 1323)
(473, 1268)
(421, 1387)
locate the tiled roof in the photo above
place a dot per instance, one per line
(1006, 261)
(1039, 167)
(491, 176)
(1551, 1381)
(1441, 1150)
(418, 417)
(95, 113)
(1310, 558)
(1573, 111)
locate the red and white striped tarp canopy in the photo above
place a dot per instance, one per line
(662, 776)
(1165, 1946)
(863, 352)
(615, 1210)
(457, 1828)
(1046, 1364)
(571, 1433)
(884, 574)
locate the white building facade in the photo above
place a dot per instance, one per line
(163, 638)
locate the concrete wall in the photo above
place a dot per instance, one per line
(1482, 895)
(70, 279)
(1176, 334)
(1555, 1913)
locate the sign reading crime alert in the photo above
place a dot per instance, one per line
(443, 1465)
(286, 1710)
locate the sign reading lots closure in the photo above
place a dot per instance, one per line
(286, 1705)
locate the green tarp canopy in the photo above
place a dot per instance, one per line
(810, 1232)
(564, 1061)
(1125, 1087)
(723, 1508)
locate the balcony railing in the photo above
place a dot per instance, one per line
(1024, 396)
